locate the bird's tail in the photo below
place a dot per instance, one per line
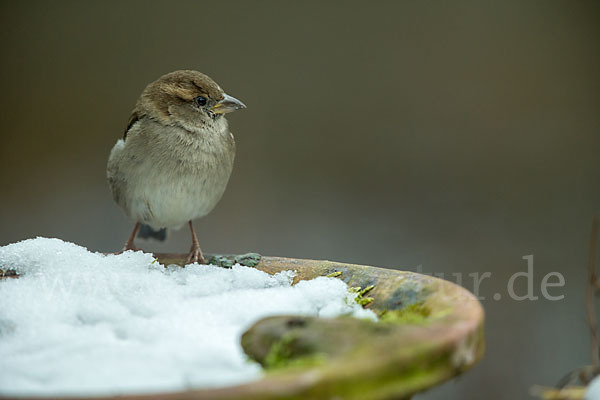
(146, 232)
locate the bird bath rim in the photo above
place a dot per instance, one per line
(363, 359)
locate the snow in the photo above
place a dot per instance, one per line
(593, 390)
(77, 322)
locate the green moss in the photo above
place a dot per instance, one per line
(392, 381)
(364, 301)
(283, 354)
(360, 295)
(384, 381)
(416, 313)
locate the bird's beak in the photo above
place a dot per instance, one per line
(227, 105)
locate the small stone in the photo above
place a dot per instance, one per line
(9, 273)
(221, 261)
(248, 259)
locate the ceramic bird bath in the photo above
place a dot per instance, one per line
(429, 330)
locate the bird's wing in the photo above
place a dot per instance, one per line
(135, 117)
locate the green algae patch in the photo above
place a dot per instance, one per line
(414, 314)
(360, 292)
(281, 351)
(384, 379)
(283, 341)
(285, 353)
(361, 297)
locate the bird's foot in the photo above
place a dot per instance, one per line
(130, 246)
(195, 255)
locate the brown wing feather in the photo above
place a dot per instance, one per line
(132, 120)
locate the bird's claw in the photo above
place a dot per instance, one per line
(195, 255)
(129, 247)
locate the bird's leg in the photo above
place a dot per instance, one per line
(195, 252)
(129, 245)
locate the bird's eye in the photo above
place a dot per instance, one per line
(200, 101)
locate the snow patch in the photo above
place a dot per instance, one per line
(77, 322)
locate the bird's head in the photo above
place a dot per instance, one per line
(187, 98)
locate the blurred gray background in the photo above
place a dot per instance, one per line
(451, 137)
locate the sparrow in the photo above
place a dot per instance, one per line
(174, 160)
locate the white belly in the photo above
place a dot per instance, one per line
(168, 199)
(165, 187)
